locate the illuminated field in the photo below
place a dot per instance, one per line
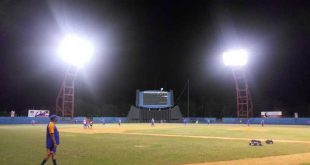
(163, 144)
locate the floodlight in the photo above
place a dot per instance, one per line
(75, 50)
(237, 57)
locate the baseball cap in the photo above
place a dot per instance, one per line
(53, 116)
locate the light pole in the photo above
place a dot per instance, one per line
(236, 60)
(76, 52)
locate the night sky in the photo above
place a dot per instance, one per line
(153, 44)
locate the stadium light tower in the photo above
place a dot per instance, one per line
(76, 52)
(236, 60)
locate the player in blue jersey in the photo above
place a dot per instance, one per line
(262, 122)
(52, 140)
(184, 121)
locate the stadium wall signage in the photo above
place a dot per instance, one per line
(38, 113)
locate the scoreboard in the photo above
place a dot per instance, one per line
(154, 99)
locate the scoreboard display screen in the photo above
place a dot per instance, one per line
(154, 99)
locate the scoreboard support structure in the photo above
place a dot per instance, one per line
(154, 104)
(142, 115)
(147, 115)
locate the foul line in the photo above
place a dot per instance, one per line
(211, 137)
(292, 159)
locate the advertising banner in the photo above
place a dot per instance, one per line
(38, 113)
(271, 114)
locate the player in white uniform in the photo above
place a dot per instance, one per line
(119, 122)
(84, 123)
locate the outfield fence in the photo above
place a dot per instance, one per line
(200, 120)
(65, 120)
(287, 121)
(79, 120)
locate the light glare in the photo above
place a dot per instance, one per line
(238, 57)
(75, 50)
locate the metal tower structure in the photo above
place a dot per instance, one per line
(244, 101)
(65, 98)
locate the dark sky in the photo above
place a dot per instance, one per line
(154, 44)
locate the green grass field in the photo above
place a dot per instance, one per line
(141, 144)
